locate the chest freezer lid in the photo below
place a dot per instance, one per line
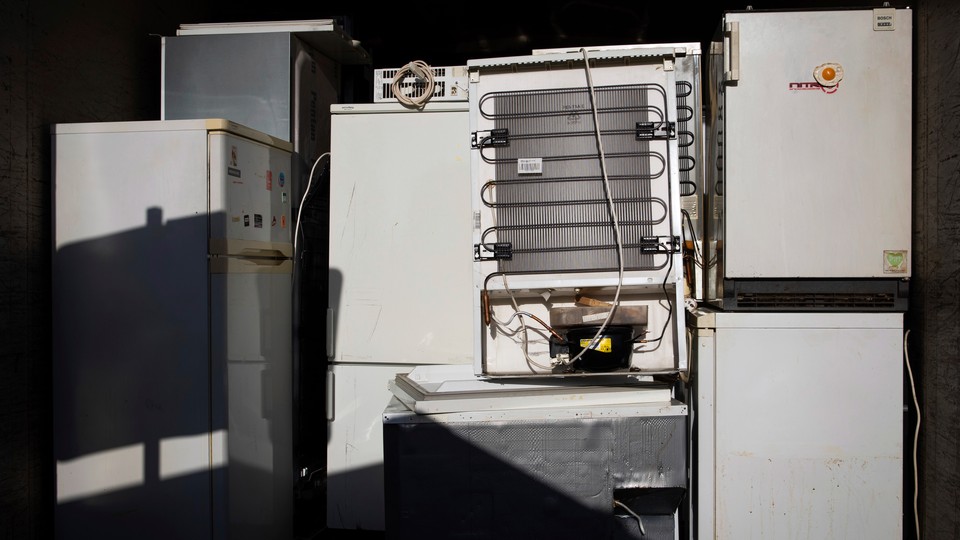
(454, 388)
(325, 35)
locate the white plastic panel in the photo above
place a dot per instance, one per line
(817, 179)
(400, 222)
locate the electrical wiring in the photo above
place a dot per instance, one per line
(613, 213)
(532, 316)
(916, 433)
(698, 255)
(666, 323)
(424, 75)
(523, 327)
(296, 230)
(632, 513)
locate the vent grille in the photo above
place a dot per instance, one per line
(450, 84)
(816, 300)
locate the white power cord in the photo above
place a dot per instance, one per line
(296, 230)
(613, 211)
(916, 434)
(632, 513)
(423, 73)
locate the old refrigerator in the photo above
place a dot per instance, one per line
(810, 187)
(400, 279)
(798, 425)
(279, 77)
(171, 331)
(576, 198)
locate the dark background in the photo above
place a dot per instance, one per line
(99, 60)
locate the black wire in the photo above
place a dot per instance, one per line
(666, 323)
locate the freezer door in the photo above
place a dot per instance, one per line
(250, 194)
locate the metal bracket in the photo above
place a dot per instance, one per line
(650, 131)
(660, 244)
(500, 251)
(494, 137)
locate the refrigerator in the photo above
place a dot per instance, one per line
(171, 330)
(278, 77)
(797, 425)
(576, 196)
(400, 279)
(809, 198)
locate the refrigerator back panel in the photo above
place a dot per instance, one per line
(815, 115)
(690, 144)
(546, 244)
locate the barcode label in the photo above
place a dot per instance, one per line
(530, 166)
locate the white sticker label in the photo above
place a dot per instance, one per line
(530, 166)
(594, 317)
(883, 18)
(690, 205)
(894, 261)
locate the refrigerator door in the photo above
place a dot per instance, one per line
(400, 228)
(252, 373)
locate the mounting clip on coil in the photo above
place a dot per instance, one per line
(660, 244)
(494, 137)
(500, 251)
(656, 131)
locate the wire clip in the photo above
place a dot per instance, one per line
(650, 131)
(657, 244)
(494, 137)
(501, 251)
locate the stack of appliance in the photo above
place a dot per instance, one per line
(279, 77)
(798, 361)
(577, 303)
(178, 398)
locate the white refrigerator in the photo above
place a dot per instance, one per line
(400, 279)
(797, 425)
(809, 195)
(171, 330)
